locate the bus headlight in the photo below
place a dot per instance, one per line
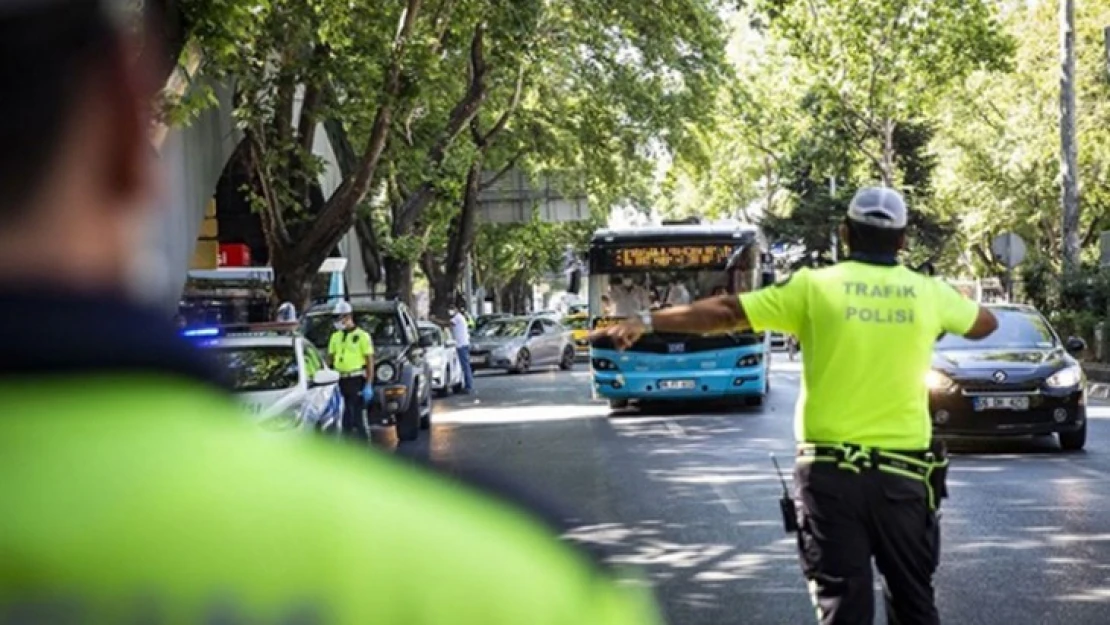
(749, 360)
(1066, 377)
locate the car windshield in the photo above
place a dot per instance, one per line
(384, 328)
(575, 323)
(269, 368)
(503, 328)
(434, 334)
(1016, 330)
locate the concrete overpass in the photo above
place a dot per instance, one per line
(193, 159)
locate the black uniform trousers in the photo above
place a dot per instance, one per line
(847, 518)
(354, 419)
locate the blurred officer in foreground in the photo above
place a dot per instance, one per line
(132, 487)
(868, 478)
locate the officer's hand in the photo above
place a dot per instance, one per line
(623, 335)
(368, 392)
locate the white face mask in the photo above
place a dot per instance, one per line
(339, 325)
(627, 283)
(452, 312)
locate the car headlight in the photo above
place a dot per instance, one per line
(938, 381)
(508, 349)
(385, 372)
(1066, 377)
(436, 360)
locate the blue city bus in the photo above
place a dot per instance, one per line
(634, 269)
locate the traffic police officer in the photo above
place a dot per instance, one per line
(351, 352)
(868, 479)
(132, 486)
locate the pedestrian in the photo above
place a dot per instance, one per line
(868, 478)
(351, 353)
(134, 487)
(460, 332)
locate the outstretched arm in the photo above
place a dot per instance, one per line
(716, 314)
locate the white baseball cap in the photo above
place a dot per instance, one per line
(879, 207)
(342, 308)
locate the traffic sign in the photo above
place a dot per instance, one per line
(1008, 249)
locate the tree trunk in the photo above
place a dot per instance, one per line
(1069, 166)
(460, 242)
(292, 283)
(399, 280)
(888, 153)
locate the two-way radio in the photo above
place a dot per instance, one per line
(786, 503)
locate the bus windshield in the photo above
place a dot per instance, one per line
(625, 294)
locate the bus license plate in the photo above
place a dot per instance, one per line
(676, 385)
(1001, 403)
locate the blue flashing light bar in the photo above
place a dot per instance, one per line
(242, 330)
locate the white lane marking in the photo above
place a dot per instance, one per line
(725, 494)
(674, 429)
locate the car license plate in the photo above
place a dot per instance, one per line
(478, 360)
(1001, 403)
(676, 385)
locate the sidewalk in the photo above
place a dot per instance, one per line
(1098, 379)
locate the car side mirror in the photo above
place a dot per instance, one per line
(1075, 345)
(325, 377)
(535, 332)
(426, 341)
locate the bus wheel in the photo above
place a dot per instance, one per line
(754, 401)
(618, 404)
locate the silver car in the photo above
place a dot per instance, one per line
(518, 344)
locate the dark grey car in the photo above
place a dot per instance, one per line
(402, 376)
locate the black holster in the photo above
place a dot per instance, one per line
(938, 475)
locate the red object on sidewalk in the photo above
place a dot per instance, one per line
(235, 255)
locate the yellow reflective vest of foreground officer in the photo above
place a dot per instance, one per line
(144, 498)
(867, 333)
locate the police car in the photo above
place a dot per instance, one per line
(278, 375)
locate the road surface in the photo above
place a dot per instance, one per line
(691, 499)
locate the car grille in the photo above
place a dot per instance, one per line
(973, 387)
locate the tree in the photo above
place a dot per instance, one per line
(588, 96)
(296, 64)
(879, 63)
(998, 141)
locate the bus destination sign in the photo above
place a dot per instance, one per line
(671, 256)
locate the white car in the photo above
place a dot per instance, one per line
(443, 358)
(278, 375)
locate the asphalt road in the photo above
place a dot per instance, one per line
(691, 499)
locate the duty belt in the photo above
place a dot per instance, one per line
(926, 466)
(361, 373)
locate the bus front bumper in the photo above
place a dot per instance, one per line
(679, 385)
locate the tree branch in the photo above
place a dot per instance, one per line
(514, 102)
(461, 115)
(337, 215)
(273, 222)
(501, 172)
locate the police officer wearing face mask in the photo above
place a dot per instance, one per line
(868, 477)
(351, 353)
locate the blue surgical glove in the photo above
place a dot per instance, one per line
(368, 392)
